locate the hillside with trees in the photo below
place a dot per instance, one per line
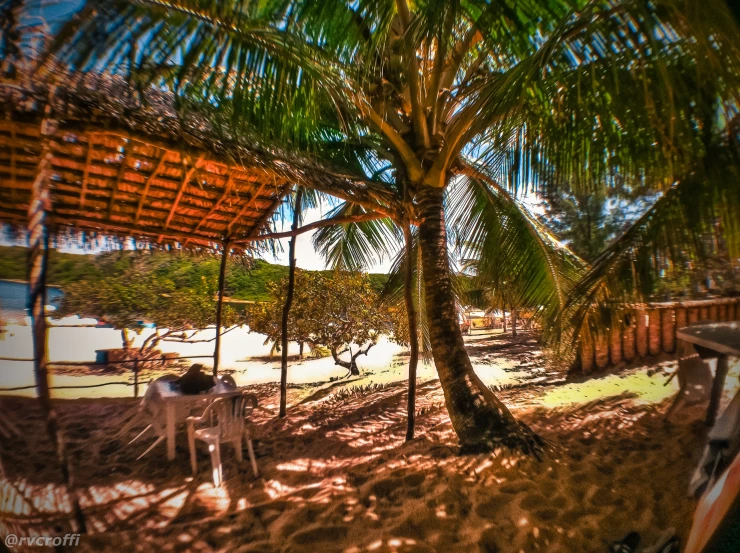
(246, 279)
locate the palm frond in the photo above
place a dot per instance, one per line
(356, 246)
(696, 219)
(616, 91)
(509, 249)
(240, 59)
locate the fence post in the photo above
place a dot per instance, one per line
(668, 329)
(136, 377)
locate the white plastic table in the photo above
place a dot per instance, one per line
(724, 340)
(176, 402)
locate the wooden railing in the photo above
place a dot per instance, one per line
(649, 330)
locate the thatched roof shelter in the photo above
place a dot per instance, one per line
(124, 164)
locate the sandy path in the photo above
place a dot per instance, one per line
(337, 476)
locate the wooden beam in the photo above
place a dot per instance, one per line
(185, 181)
(91, 223)
(270, 210)
(116, 185)
(339, 220)
(86, 172)
(214, 208)
(245, 207)
(149, 180)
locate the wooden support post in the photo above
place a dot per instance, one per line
(286, 309)
(220, 306)
(408, 292)
(38, 255)
(136, 377)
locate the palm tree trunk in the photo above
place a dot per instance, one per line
(286, 309)
(408, 293)
(482, 422)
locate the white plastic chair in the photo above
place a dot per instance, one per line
(150, 410)
(227, 422)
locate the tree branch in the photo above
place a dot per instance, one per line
(339, 220)
(360, 352)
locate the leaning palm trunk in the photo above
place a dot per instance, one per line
(479, 418)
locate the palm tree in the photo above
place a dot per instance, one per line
(506, 96)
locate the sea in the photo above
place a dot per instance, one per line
(14, 298)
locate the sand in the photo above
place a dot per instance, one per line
(336, 475)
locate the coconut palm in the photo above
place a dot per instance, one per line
(535, 92)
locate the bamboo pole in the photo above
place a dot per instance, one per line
(654, 331)
(220, 306)
(628, 339)
(38, 256)
(668, 329)
(286, 309)
(641, 333)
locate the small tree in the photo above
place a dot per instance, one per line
(338, 311)
(128, 290)
(122, 301)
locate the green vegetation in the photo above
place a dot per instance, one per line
(63, 267)
(334, 310)
(127, 289)
(246, 279)
(455, 108)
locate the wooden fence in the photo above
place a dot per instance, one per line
(650, 329)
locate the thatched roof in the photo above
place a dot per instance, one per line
(128, 166)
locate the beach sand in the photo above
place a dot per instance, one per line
(337, 475)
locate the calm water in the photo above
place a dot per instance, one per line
(14, 296)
